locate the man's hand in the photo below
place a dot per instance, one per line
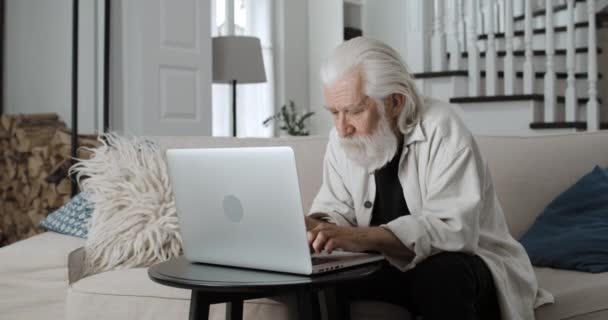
(312, 223)
(328, 237)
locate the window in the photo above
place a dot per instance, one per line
(255, 102)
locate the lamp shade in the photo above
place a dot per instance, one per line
(237, 58)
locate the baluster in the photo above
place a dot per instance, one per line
(499, 9)
(540, 4)
(455, 58)
(550, 94)
(491, 53)
(439, 40)
(571, 103)
(518, 7)
(481, 24)
(528, 65)
(509, 68)
(473, 60)
(593, 119)
(462, 25)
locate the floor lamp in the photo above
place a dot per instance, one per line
(237, 59)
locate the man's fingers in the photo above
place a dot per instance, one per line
(331, 245)
(311, 236)
(319, 237)
(320, 240)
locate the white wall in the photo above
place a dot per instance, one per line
(419, 18)
(386, 21)
(291, 54)
(38, 60)
(325, 32)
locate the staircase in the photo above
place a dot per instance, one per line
(521, 66)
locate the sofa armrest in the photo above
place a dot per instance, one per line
(75, 265)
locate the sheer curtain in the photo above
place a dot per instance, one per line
(255, 102)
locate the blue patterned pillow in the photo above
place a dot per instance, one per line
(72, 218)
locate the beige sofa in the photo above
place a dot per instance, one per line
(528, 173)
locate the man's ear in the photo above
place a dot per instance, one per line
(395, 103)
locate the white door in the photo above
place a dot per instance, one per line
(172, 67)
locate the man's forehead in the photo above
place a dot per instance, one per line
(345, 92)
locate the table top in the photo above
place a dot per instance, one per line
(178, 272)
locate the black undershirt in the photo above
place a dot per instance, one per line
(389, 203)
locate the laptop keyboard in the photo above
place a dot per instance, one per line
(316, 261)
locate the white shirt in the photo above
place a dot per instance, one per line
(449, 192)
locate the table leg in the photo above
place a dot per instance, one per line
(234, 310)
(199, 306)
(308, 305)
(341, 305)
(304, 305)
(328, 302)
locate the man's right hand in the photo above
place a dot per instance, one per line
(312, 223)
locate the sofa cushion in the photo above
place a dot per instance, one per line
(134, 221)
(578, 295)
(130, 294)
(578, 220)
(33, 276)
(72, 218)
(529, 172)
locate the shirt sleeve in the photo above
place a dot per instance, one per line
(449, 217)
(334, 202)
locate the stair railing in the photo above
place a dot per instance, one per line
(473, 51)
(490, 58)
(571, 102)
(499, 17)
(528, 63)
(593, 117)
(509, 67)
(550, 98)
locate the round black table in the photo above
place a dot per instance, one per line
(212, 284)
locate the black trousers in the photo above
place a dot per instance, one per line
(447, 285)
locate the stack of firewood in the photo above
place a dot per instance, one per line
(34, 161)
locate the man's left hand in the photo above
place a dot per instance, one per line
(329, 237)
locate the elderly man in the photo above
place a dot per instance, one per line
(403, 176)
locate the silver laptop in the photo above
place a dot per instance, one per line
(242, 207)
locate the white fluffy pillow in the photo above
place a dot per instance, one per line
(134, 221)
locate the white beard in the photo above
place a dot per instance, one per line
(372, 151)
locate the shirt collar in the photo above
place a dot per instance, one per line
(413, 134)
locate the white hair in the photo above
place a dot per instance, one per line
(384, 73)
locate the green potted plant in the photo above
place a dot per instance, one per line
(290, 121)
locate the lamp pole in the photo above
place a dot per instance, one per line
(234, 108)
